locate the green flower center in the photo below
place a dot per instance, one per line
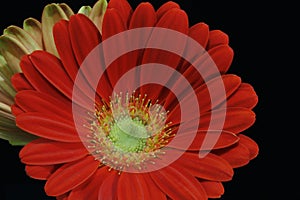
(129, 135)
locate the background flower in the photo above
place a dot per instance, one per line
(18, 41)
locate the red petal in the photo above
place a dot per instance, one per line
(46, 152)
(53, 70)
(84, 36)
(40, 172)
(123, 8)
(210, 90)
(112, 24)
(222, 56)
(48, 126)
(146, 12)
(33, 101)
(108, 189)
(37, 81)
(132, 186)
(205, 93)
(63, 197)
(16, 110)
(200, 33)
(217, 37)
(71, 175)
(250, 144)
(20, 82)
(225, 139)
(176, 20)
(90, 189)
(155, 191)
(236, 156)
(236, 120)
(178, 184)
(213, 189)
(165, 8)
(64, 47)
(211, 167)
(245, 96)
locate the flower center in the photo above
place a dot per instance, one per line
(128, 132)
(129, 135)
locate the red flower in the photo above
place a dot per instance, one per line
(101, 164)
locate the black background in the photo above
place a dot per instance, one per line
(251, 28)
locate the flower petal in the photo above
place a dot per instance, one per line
(213, 189)
(211, 167)
(108, 189)
(178, 184)
(90, 189)
(52, 13)
(225, 139)
(236, 156)
(52, 70)
(12, 50)
(200, 33)
(222, 56)
(217, 37)
(64, 47)
(123, 8)
(36, 80)
(164, 57)
(34, 28)
(33, 101)
(132, 186)
(70, 175)
(40, 172)
(48, 126)
(68, 11)
(82, 27)
(97, 13)
(23, 37)
(250, 144)
(210, 90)
(237, 119)
(205, 94)
(141, 187)
(20, 82)
(146, 12)
(165, 8)
(112, 23)
(45, 152)
(245, 96)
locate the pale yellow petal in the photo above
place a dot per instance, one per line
(5, 72)
(52, 13)
(16, 136)
(68, 11)
(4, 99)
(23, 37)
(97, 13)
(34, 28)
(86, 10)
(7, 89)
(12, 50)
(5, 111)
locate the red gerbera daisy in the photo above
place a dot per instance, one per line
(123, 147)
